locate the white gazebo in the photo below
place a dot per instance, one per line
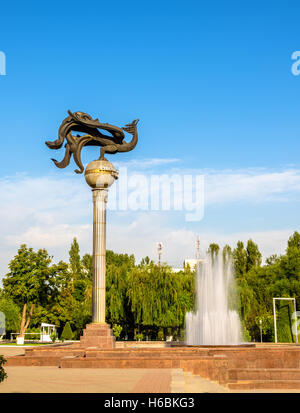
(46, 331)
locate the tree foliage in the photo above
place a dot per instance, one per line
(67, 333)
(258, 284)
(12, 314)
(213, 249)
(75, 261)
(3, 374)
(144, 298)
(30, 280)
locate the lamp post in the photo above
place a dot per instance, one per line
(99, 175)
(260, 326)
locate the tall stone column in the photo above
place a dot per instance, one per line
(100, 175)
(99, 254)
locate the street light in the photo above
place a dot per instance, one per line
(260, 326)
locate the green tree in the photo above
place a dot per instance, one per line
(81, 272)
(227, 253)
(272, 259)
(253, 255)
(284, 322)
(146, 261)
(294, 241)
(159, 297)
(75, 260)
(30, 281)
(67, 333)
(257, 285)
(12, 314)
(240, 260)
(87, 266)
(213, 249)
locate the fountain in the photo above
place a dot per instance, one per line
(216, 321)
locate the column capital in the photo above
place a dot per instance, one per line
(100, 193)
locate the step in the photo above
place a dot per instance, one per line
(265, 384)
(197, 384)
(58, 354)
(190, 384)
(263, 374)
(177, 381)
(267, 363)
(94, 340)
(33, 361)
(95, 332)
(84, 362)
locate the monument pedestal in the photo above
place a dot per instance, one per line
(97, 335)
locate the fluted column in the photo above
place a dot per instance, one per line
(99, 254)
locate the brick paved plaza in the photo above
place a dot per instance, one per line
(51, 379)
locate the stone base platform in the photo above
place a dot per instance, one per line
(240, 367)
(97, 335)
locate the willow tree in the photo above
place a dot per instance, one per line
(159, 298)
(118, 310)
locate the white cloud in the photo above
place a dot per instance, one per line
(47, 212)
(255, 186)
(147, 163)
(143, 234)
(54, 236)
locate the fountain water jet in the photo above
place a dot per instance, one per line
(216, 321)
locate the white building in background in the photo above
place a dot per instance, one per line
(192, 262)
(177, 269)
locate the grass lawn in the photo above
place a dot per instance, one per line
(25, 344)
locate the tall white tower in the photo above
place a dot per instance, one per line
(159, 252)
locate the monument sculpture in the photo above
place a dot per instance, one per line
(99, 175)
(214, 350)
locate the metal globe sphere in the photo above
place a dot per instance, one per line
(100, 174)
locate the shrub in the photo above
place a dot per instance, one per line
(117, 329)
(139, 337)
(245, 334)
(284, 323)
(3, 374)
(67, 333)
(160, 335)
(53, 336)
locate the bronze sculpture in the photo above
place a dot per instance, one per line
(84, 123)
(99, 174)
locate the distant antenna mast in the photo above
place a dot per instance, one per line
(198, 248)
(159, 252)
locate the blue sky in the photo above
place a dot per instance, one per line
(212, 85)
